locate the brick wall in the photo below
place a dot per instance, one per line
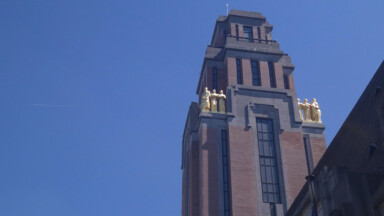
(231, 69)
(254, 32)
(294, 163)
(291, 82)
(264, 74)
(262, 33)
(221, 80)
(241, 31)
(247, 72)
(193, 180)
(233, 29)
(318, 148)
(209, 203)
(242, 172)
(279, 75)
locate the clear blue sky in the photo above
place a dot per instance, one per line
(94, 94)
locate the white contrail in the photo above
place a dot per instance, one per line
(49, 105)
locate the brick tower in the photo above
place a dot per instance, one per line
(246, 151)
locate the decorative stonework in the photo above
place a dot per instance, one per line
(212, 102)
(312, 112)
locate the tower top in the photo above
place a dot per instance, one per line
(248, 14)
(241, 33)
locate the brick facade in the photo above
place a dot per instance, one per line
(294, 163)
(205, 182)
(242, 164)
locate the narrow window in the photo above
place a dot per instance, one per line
(258, 34)
(227, 201)
(308, 154)
(272, 77)
(225, 37)
(237, 32)
(273, 209)
(255, 73)
(239, 71)
(268, 163)
(214, 79)
(286, 82)
(248, 34)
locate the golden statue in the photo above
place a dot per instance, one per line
(307, 110)
(300, 106)
(222, 101)
(204, 101)
(315, 111)
(214, 101)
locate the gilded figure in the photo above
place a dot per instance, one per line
(222, 98)
(299, 105)
(307, 110)
(214, 101)
(315, 111)
(204, 101)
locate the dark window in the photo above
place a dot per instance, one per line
(239, 71)
(214, 79)
(268, 163)
(286, 82)
(258, 34)
(308, 154)
(272, 77)
(248, 34)
(224, 141)
(273, 209)
(225, 36)
(237, 32)
(255, 73)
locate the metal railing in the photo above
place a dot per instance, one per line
(252, 40)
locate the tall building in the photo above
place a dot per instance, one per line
(247, 150)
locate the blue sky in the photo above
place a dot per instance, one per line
(94, 94)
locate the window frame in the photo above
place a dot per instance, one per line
(249, 33)
(214, 79)
(259, 34)
(272, 74)
(239, 71)
(226, 175)
(286, 81)
(258, 73)
(268, 161)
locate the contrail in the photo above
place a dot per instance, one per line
(49, 105)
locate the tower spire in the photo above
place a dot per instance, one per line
(227, 7)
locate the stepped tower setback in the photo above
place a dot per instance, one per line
(246, 150)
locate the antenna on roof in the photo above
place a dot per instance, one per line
(227, 7)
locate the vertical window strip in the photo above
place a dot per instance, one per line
(255, 73)
(308, 153)
(237, 32)
(214, 79)
(239, 71)
(258, 34)
(273, 209)
(268, 164)
(226, 180)
(272, 77)
(286, 82)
